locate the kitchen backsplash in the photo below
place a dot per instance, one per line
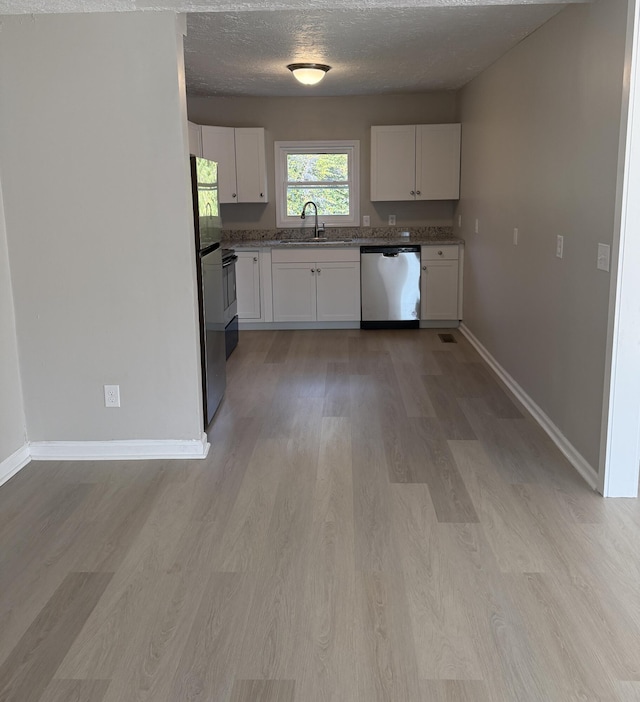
(337, 233)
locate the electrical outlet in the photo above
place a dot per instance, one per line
(515, 236)
(477, 226)
(392, 220)
(559, 246)
(366, 221)
(112, 396)
(604, 256)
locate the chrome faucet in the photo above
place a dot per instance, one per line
(303, 216)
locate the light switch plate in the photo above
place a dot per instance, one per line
(560, 246)
(392, 220)
(515, 236)
(477, 226)
(604, 257)
(366, 221)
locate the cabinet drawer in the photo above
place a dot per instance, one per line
(439, 253)
(304, 254)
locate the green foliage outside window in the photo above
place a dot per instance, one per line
(322, 178)
(207, 177)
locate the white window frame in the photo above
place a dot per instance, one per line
(351, 148)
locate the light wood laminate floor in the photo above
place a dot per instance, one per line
(377, 520)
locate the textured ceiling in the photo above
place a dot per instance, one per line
(21, 7)
(242, 47)
(378, 51)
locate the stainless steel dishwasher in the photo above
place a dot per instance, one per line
(390, 287)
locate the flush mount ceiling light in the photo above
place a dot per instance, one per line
(308, 73)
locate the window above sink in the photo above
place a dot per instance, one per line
(325, 172)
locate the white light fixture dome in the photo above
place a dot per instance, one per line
(308, 73)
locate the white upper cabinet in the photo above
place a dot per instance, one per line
(415, 162)
(195, 139)
(219, 144)
(240, 153)
(251, 169)
(437, 161)
(393, 162)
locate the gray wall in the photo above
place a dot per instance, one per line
(93, 152)
(540, 152)
(289, 119)
(12, 423)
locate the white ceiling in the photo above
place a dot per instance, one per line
(377, 51)
(242, 47)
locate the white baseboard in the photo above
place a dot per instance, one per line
(288, 326)
(15, 462)
(118, 450)
(102, 451)
(574, 457)
(439, 324)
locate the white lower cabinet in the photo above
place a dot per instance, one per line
(322, 285)
(316, 285)
(248, 285)
(338, 291)
(439, 283)
(294, 292)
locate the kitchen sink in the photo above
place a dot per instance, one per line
(306, 242)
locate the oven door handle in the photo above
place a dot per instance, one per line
(229, 261)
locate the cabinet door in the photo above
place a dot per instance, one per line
(393, 162)
(218, 144)
(294, 292)
(438, 161)
(338, 292)
(251, 171)
(195, 139)
(248, 285)
(439, 290)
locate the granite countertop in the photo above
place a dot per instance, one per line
(337, 243)
(340, 237)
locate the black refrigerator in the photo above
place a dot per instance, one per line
(206, 209)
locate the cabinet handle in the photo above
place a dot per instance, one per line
(313, 270)
(255, 259)
(424, 268)
(413, 192)
(261, 194)
(234, 195)
(418, 192)
(439, 253)
(318, 270)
